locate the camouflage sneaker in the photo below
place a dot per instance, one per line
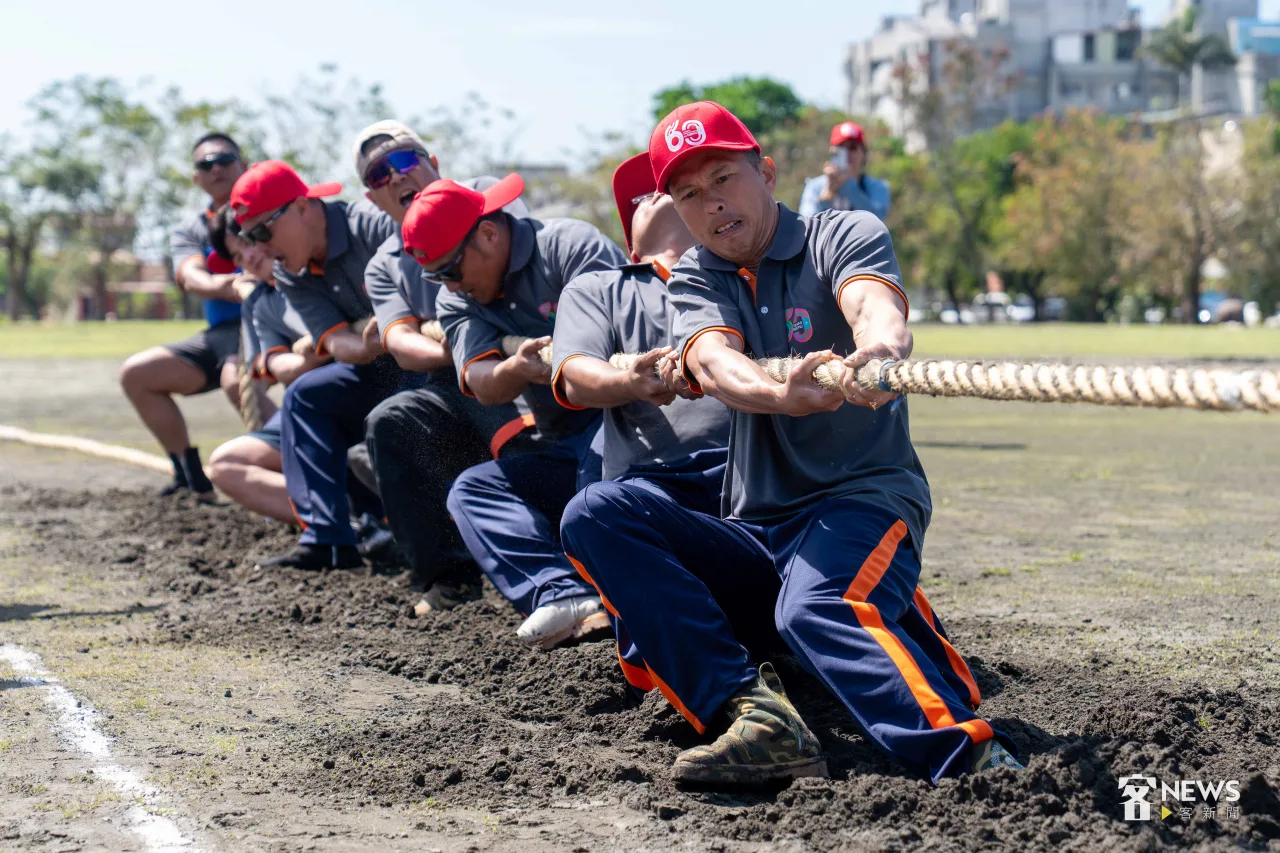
(991, 754)
(766, 742)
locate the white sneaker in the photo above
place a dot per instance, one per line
(552, 624)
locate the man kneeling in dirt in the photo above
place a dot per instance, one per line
(673, 446)
(421, 438)
(504, 277)
(322, 250)
(276, 348)
(825, 503)
(207, 360)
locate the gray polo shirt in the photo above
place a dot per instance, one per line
(779, 465)
(394, 279)
(545, 256)
(603, 313)
(330, 295)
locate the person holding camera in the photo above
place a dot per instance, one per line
(843, 184)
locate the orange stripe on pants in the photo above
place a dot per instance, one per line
(627, 669)
(870, 573)
(958, 665)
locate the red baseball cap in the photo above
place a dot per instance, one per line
(846, 131)
(444, 211)
(269, 186)
(632, 180)
(691, 129)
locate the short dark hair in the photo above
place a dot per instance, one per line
(215, 135)
(754, 159)
(222, 223)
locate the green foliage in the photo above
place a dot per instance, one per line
(763, 104)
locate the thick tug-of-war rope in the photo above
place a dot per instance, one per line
(1140, 386)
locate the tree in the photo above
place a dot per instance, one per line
(1178, 48)
(1251, 240)
(969, 172)
(37, 187)
(762, 103)
(1068, 219)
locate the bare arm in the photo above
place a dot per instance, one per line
(595, 384)
(878, 317)
(350, 347)
(716, 362)
(414, 351)
(495, 382)
(194, 278)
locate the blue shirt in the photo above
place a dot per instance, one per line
(191, 239)
(866, 193)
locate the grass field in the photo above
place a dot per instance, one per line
(118, 340)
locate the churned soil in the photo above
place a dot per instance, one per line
(525, 735)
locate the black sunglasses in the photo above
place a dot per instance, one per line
(226, 158)
(453, 270)
(261, 233)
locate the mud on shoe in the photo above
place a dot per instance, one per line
(565, 619)
(767, 742)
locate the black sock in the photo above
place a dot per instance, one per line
(179, 474)
(196, 480)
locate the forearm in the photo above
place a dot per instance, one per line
(494, 382)
(348, 347)
(595, 384)
(414, 351)
(732, 378)
(285, 367)
(197, 281)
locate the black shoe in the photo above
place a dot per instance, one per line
(179, 477)
(314, 558)
(379, 544)
(194, 469)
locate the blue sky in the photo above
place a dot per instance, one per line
(560, 66)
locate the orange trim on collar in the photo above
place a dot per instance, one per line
(749, 279)
(660, 271)
(314, 268)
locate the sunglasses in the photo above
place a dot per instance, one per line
(261, 233)
(379, 172)
(453, 270)
(641, 199)
(224, 159)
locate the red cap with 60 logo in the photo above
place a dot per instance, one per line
(690, 129)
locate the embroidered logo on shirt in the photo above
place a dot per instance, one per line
(548, 311)
(799, 326)
(691, 132)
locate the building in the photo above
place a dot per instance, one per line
(1239, 90)
(1061, 54)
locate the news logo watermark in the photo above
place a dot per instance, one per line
(1217, 798)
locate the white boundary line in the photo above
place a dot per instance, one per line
(77, 727)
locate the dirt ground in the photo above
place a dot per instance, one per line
(1112, 577)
